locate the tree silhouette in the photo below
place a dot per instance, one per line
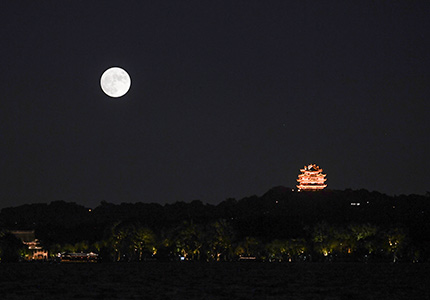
(121, 240)
(220, 238)
(395, 242)
(189, 241)
(10, 247)
(144, 240)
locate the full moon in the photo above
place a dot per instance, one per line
(115, 82)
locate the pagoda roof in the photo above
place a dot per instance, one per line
(316, 175)
(312, 186)
(312, 167)
(311, 171)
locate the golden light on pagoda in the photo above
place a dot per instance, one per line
(311, 179)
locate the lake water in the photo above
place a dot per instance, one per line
(191, 280)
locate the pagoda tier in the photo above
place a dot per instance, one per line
(311, 179)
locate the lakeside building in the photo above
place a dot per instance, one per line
(311, 178)
(28, 238)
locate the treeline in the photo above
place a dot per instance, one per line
(281, 225)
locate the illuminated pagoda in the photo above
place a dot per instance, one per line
(311, 179)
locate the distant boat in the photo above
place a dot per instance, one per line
(77, 257)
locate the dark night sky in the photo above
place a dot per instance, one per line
(228, 98)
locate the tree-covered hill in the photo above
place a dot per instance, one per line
(279, 214)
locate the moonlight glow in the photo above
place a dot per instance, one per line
(115, 82)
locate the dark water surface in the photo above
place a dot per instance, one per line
(215, 281)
